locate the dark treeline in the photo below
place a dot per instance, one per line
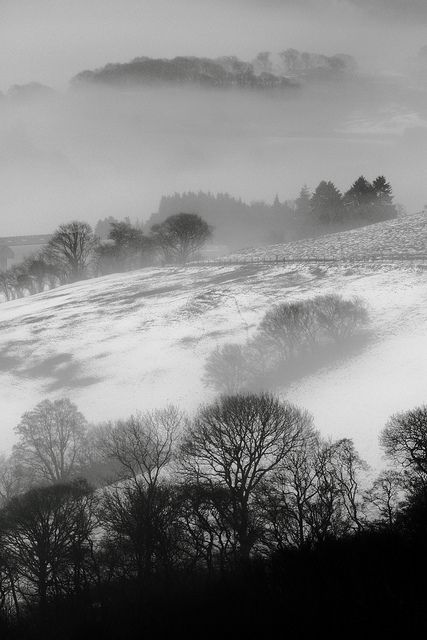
(76, 252)
(238, 224)
(240, 518)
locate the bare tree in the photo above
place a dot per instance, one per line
(330, 483)
(127, 248)
(45, 533)
(142, 448)
(386, 496)
(346, 468)
(315, 494)
(146, 528)
(237, 442)
(286, 499)
(181, 235)
(206, 512)
(20, 281)
(289, 328)
(51, 440)
(238, 368)
(404, 440)
(6, 284)
(143, 445)
(227, 369)
(72, 246)
(13, 479)
(340, 318)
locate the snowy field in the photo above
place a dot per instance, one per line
(139, 340)
(402, 237)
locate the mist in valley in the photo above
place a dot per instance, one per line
(94, 151)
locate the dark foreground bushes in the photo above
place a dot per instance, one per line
(370, 583)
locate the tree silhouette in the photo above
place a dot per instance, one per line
(181, 235)
(326, 202)
(236, 443)
(51, 440)
(383, 190)
(404, 440)
(72, 245)
(45, 533)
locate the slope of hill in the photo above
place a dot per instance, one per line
(134, 341)
(404, 237)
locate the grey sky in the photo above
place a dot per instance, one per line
(384, 9)
(51, 40)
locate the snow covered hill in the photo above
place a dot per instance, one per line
(140, 340)
(403, 237)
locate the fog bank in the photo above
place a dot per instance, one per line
(96, 152)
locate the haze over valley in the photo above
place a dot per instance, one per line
(115, 146)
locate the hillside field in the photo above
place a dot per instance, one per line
(404, 237)
(140, 340)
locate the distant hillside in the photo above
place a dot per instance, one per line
(197, 71)
(402, 237)
(267, 71)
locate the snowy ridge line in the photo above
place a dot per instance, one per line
(278, 259)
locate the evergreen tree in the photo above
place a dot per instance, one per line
(383, 191)
(326, 203)
(303, 203)
(371, 201)
(361, 193)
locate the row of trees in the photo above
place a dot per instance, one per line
(363, 202)
(74, 253)
(239, 224)
(288, 334)
(249, 475)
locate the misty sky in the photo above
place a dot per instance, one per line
(51, 40)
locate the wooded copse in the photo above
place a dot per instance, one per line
(75, 253)
(325, 209)
(161, 495)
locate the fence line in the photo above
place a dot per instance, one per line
(379, 258)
